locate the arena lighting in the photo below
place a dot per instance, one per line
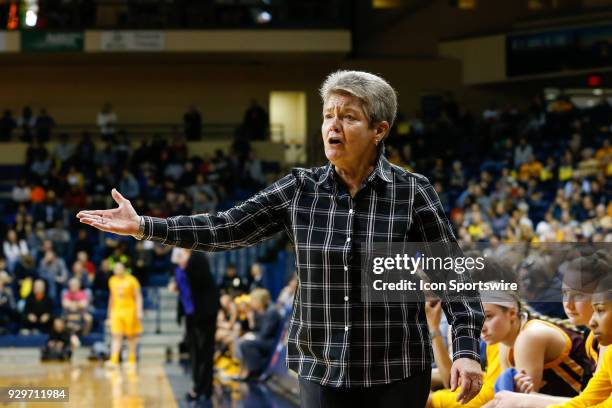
(594, 80)
(551, 95)
(264, 17)
(31, 18)
(29, 8)
(13, 18)
(598, 92)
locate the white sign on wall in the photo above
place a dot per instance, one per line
(132, 41)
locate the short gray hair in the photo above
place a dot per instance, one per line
(378, 98)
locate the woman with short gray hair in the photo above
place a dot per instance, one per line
(344, 350)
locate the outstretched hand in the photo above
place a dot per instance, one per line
(122, 220)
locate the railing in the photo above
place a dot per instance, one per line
(209, 131)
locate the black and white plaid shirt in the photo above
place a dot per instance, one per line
(334, 338)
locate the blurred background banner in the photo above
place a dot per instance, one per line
(52, 41)
(132, 41)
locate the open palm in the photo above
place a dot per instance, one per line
(122, 220)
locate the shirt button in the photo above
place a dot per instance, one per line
(351, 211)
(345, 328)
(346, 298)
(345, 268)
(348, 239)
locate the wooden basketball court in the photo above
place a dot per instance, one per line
(90, 383)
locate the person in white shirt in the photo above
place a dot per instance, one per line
(14, 248)
(107, 120)
(21, 192)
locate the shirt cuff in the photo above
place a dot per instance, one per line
(466, 347)
(155, 229)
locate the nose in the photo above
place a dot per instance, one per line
(593, 322)
(334, 124)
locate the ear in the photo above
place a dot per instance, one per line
(512, 312)
(381, 129)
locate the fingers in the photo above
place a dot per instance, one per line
(96, 223)
(91, 218)
(471, 383)
(453, 378)
(99, 223)
(523, 383)
(87, 213)
(119, 199)
(466, 389)
(525, 386)
(476, 387)
(470, 387)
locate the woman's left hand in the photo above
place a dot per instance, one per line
(466, 373)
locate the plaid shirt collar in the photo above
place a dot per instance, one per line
(382, 170)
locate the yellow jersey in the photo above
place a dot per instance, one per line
(448, 399)
(123, 292)
(598, 392)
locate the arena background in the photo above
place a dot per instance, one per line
(473, 77)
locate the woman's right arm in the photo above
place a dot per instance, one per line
(254, 220)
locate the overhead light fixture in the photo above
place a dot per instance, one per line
(29, 13)
(31, 18)
(263, 17)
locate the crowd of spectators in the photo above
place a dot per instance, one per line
(32, 126)
(248, 323)
(542, 174)
(538, 175)
(51, 265)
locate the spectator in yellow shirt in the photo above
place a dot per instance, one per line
(531, 169)
(605, 151)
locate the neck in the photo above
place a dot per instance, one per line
(514, 332)
(353, 174)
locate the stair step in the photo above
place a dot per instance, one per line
(164, 314)
(150, 327)
(161, 340)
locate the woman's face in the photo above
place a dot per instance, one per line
(225, 301)
(346, 131)
(498, 323)
(577, 306)
(601, 322)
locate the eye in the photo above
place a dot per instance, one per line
(328, 116)
(349, 117)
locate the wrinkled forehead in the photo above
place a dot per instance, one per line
(342, 100)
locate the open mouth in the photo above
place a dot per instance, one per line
(334, 141)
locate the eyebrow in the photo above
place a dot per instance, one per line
(344, 109)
